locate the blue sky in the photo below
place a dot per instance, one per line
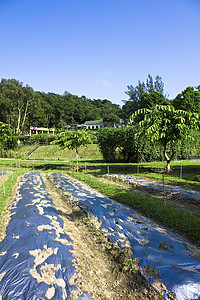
(98, 47)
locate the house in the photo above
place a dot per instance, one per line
(97, 124)
(36, 130)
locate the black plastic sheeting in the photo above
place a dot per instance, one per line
(35, 256)
(150, 184)
(166, 263)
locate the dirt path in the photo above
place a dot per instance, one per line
(103, 270)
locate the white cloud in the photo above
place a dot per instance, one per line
(104, 83)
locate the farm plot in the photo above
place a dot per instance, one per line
(36, 261)
(165, 260)
(153, 185)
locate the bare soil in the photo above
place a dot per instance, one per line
(103, 270)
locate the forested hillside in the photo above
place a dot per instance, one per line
(21, 107)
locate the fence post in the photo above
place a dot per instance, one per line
(12, 171)
(181, 171)
(164, 188)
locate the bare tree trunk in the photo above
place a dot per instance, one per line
(18, 120)
(168, 158)
(25, 114)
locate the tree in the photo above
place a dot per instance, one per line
(167, 126)
(18, 99)
(7, 141)
(111, 119)
(73, 140)
(140, 91)
(109, 139)
(149, 100)
(188, 100)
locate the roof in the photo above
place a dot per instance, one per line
(94, 122)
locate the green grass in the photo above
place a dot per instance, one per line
(167, 215)
(53, 152)
(8, 189)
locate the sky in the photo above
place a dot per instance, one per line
(97, 48)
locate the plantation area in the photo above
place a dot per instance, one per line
(107, 213)
(125, 275)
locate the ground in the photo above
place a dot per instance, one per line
(103, 270)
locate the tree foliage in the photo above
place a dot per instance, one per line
(166, 125)
(125, 144)
(21, 107)
(144, 95)
(7, 141)
(73, 139)
(188, 100)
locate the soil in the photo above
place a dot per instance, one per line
(103, 270)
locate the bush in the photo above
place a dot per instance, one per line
(125, 144)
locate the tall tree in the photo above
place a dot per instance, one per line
(140, 91)
(188, 100)
(18, 99)
(159, 85)
(149, 100)
(167, 126)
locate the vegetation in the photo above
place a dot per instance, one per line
(8, 186)
(144, 95)
(167, 126)
(21, 107)
(124, 144)
(7, 141)
(73, 140)
(188, 100)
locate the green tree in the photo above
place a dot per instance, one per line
(109, 140)
(125, 144)
(15, 100)
(111, 119)
(188, 100)
(149, 100)
(140, 92)
(7, 141)
(167, 126)
(73, 139)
